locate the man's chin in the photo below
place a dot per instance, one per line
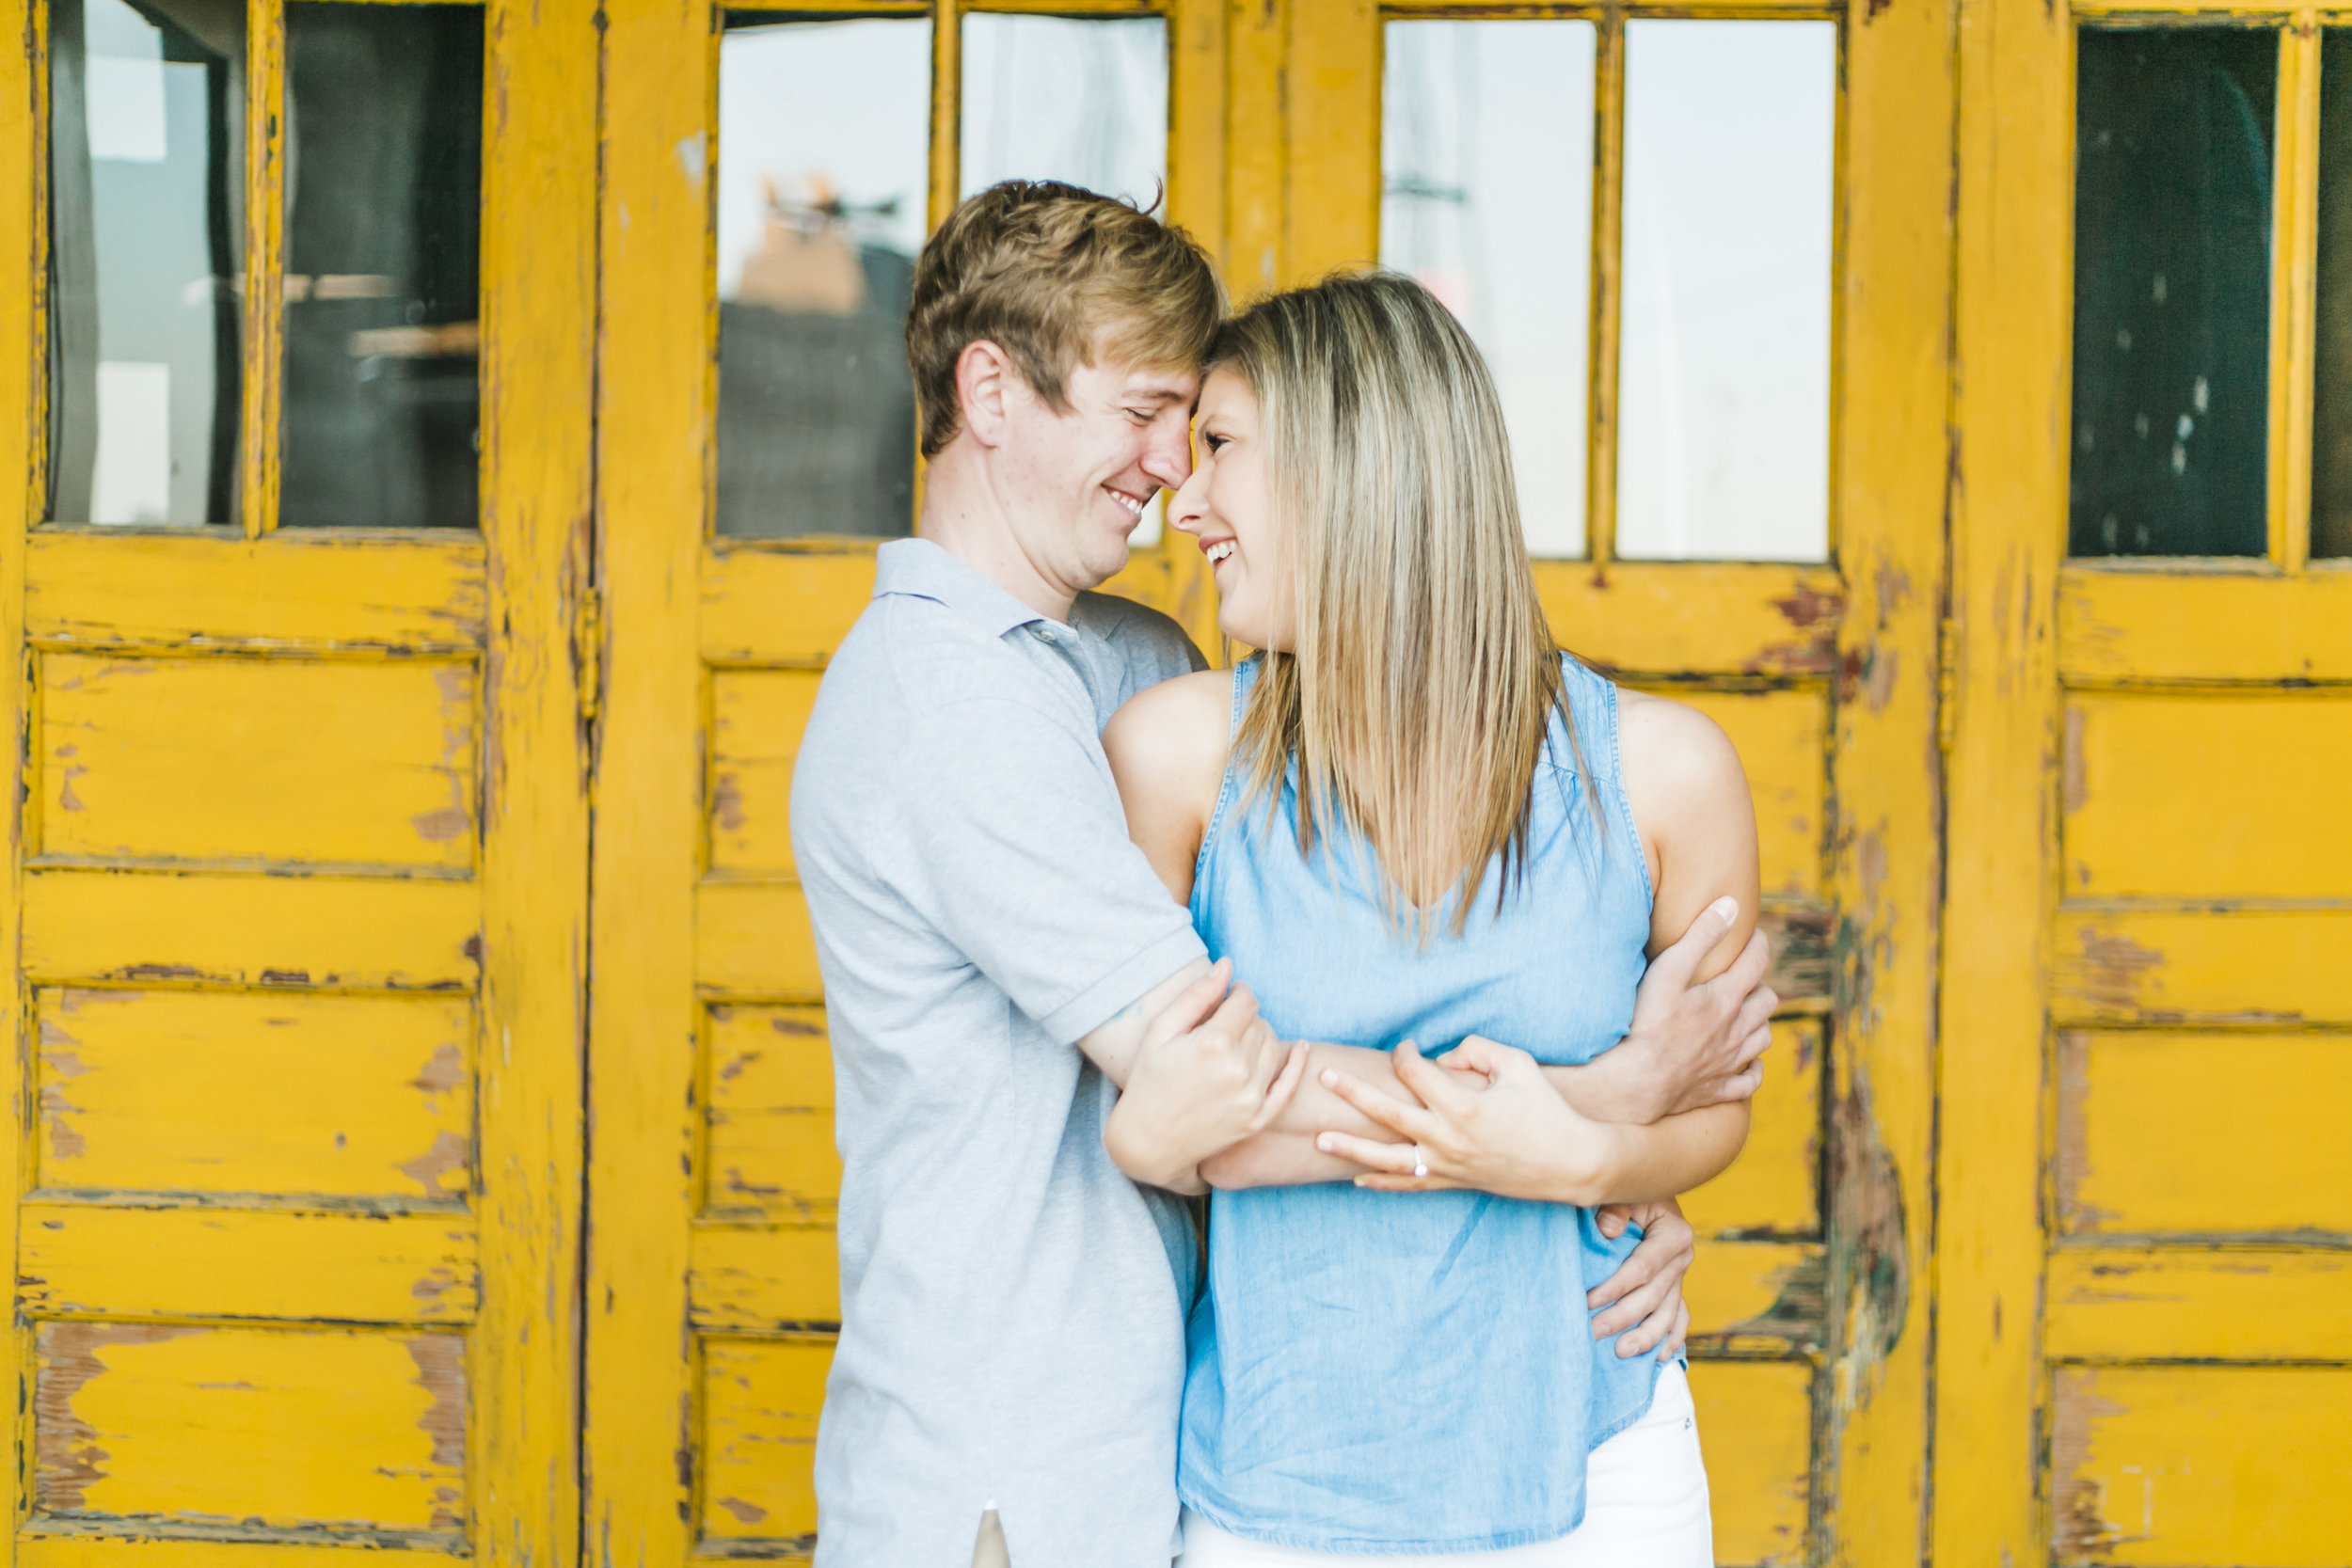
(1105, 559)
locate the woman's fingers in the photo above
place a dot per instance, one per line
(1409, 1122)
(1192, 1006)
(1440, 1090)
(1406, 1184)
(1370, 1153)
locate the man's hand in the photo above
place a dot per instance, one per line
(1644, 1297)
(1696, 1045)
(1209, 1073)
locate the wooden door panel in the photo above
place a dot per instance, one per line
(2172, 1131)
(2200, 1466)
(293, 1095)
(322, 1431)
(1775, 1188)
(2127, 964)
(240, 759)
(1756, 1424)
(2206, 796)
(756, 718)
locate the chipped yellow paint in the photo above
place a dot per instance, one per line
(327, 1430)
(2154, 1135)
(301, 587)
(2221, 625)
(1756, 1298)
(296, 1236)
(1775, 1188)
(2207, 796)
(204, 1092)
(362, 934)
(2200, 1466)
(1755, 1422)
(88, 1259)
(2243, 1303)
(2127, 964)
(770, 1093)
(756, 725)
(760, 1400)
(248, 760)
(765, 1280)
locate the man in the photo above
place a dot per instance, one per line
(999, 961)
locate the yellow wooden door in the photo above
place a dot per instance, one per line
(295, 896)
(743, 246)
(767, 181)
(2146, 1306)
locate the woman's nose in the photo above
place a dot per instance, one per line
(1185, 504)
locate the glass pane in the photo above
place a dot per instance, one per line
(383, 265)
(1722, 378)
(1061, 97)
(2171, 290)
(823, 172)
(2331, 410)
(146, 116)
(1486, 197)
(1023, 119)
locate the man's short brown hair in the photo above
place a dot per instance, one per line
(1054, 276)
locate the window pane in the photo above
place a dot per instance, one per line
(2171, 290)
(1730, 145)
(1072, 98)
(2331, 412)
(1062, 98)
(1486, 197)
(147, 113)
(823, 171)
(383, 265)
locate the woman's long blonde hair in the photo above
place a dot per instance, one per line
(1423, 679)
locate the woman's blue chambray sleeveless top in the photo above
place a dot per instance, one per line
(1398, 1372)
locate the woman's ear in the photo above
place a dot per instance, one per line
(984, 373)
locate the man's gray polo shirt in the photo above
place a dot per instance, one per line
(1011, 1330)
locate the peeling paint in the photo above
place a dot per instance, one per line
(2073, 1150)
(449, 1156)
(2080, 1500)
(1871, 1259)
(727, 802)
(444, 1073)
(2076, 789)
(440, 1360)
(2113, 969)
(66, 1447)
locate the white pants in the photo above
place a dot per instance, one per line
(1645, 1507)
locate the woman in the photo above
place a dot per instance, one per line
(1410, 817)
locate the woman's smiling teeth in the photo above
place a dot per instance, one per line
(1218, 551)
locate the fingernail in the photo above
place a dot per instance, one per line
(1324, 1144)
(1330, 1078)
(1727, 909)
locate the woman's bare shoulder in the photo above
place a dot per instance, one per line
(1676, 760)
(1174, 734)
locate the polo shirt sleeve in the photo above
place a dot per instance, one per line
(1019, 856)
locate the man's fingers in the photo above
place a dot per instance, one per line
(1631, 1311)
(1759, 1040)
(1283, 1089)
(1633, 1273)
(1611, 1219)
(1674, 967)
(1394, 1158)
(1409, 1122)
(1681, 1335)
(1747, 971)
(1193, 1003)
(1739, 1085)
(1755, 1010)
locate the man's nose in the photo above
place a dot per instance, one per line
(1170, 456)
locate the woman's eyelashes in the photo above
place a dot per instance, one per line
(1211, 442)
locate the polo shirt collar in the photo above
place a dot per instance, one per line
(925, 571)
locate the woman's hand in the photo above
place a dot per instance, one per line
(1488, 1119)
(1643, 1298)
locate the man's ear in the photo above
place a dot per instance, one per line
(985, 385)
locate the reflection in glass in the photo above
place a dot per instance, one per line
(2331, 402)
(147, 110)
(1730, 138)
(2171, 290)
(1081, 99)
(824, 170)
(383, 400)
(1065, 98)
(1486, 160)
